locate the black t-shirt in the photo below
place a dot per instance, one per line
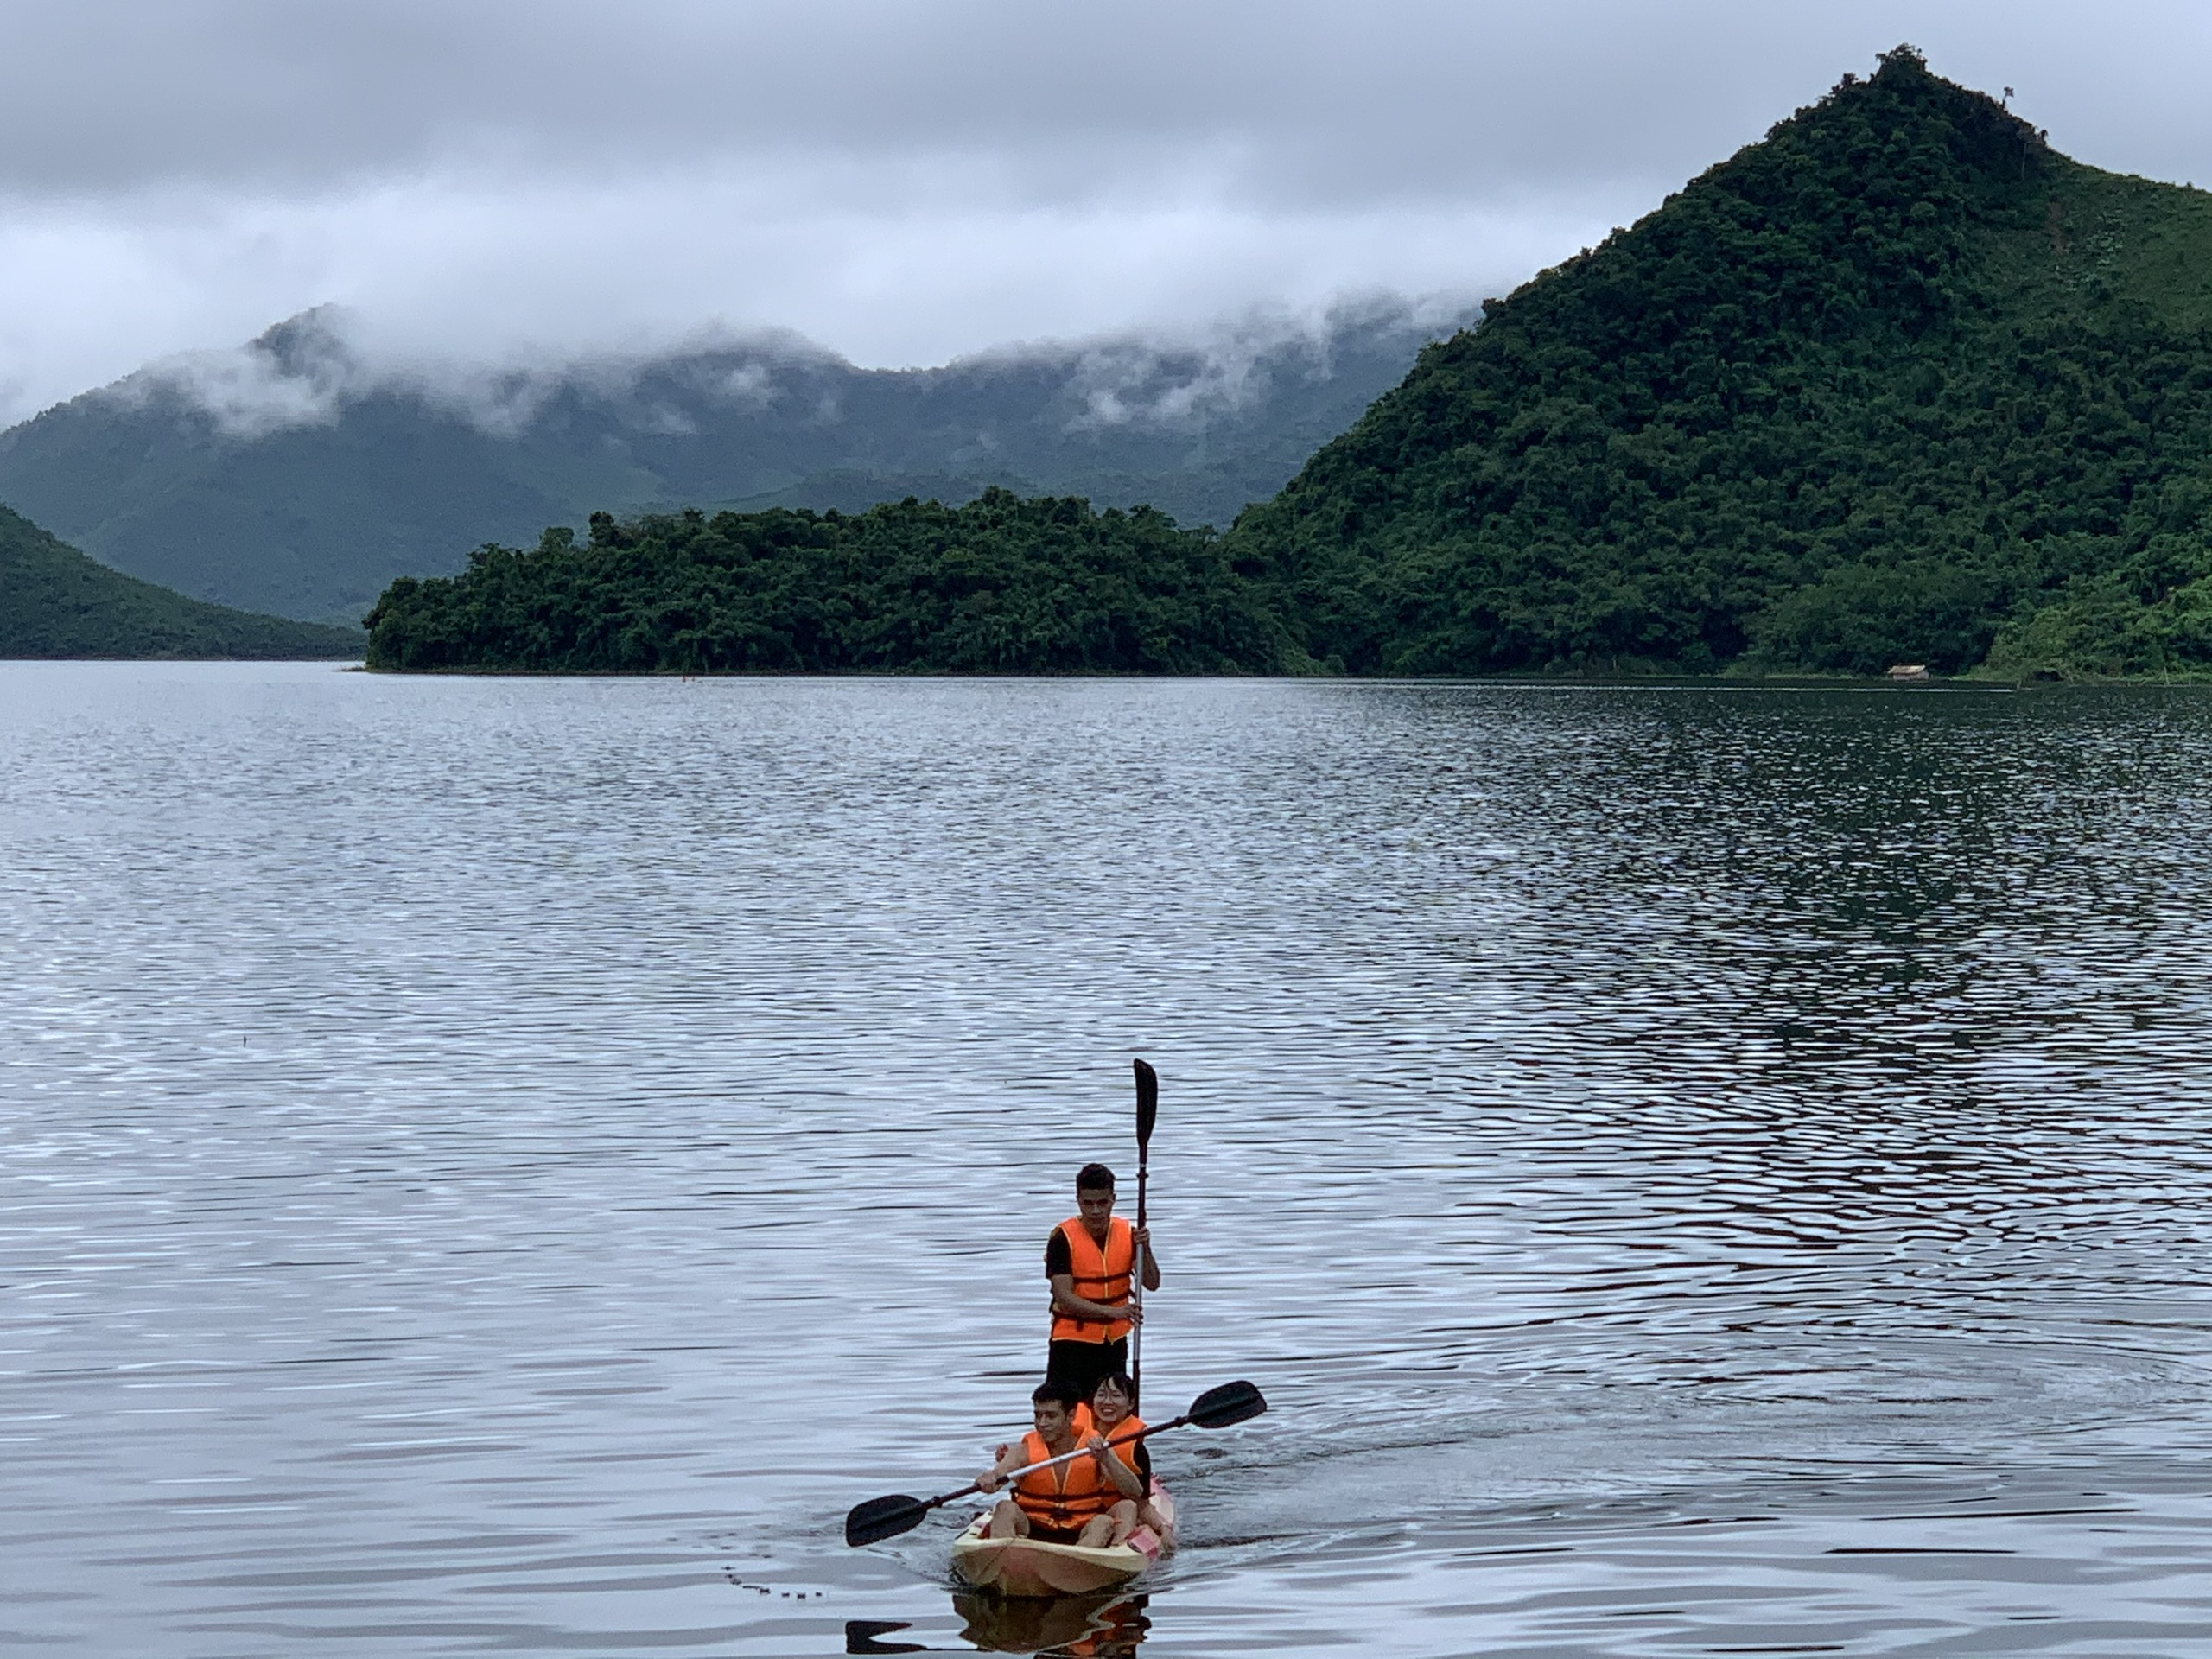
(1057, 1258)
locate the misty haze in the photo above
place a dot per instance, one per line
(299, 475)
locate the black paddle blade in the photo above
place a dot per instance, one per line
(1232, 1402)
(885, 1517)
(1147, 1104)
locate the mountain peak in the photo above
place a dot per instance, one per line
(313, 347)
(1904, 90)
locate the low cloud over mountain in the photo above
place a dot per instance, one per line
(303, 470)
(909, 183)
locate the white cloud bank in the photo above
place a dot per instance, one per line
(454, 268)
(306, 371)
(907, 181)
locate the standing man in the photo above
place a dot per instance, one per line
(1089, 1259)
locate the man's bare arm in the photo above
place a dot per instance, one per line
(1011, 1457)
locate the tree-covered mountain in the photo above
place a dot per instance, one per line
(56, 602)
(294, 477)
(1899, 382)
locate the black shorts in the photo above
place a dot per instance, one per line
(1044, 1534)
(1086, 1363)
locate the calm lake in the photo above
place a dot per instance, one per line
(500, 1166)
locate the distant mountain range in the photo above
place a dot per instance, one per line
(292, 476)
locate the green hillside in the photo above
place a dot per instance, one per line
(1899, 382)
(56, 602)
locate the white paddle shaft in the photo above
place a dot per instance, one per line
(1084, 1451)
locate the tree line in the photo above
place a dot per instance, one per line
(1003, 585)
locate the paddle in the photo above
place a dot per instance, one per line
(887, 1518)
(1147, 1115)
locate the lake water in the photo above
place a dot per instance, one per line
(500, 1166)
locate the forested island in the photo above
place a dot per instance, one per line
(56, 602)
(1899, 382)
(1005, 584)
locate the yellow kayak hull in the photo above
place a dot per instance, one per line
(1022, 1566)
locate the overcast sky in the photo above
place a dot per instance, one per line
(907, 179)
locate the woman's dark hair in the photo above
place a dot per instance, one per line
(1094, 1177)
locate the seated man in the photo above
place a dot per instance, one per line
(1072, 1503)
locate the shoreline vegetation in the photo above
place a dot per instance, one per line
(780, 593)
(1005, 584)
(1899, 383)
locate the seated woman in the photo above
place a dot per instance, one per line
(1112, 1414)
(1070, 1502)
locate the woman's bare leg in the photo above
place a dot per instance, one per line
(1123, 1515)
(1148, 1517)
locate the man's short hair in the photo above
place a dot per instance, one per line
(1059, 1389)
(1094, 1177)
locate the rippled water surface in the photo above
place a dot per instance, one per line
(499, 1167)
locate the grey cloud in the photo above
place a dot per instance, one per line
(514, 185)
(246, 393)
(307, 371)
(441, 269)
(1164, 380)
(1295, 100)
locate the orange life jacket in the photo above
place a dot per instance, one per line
(1122, 1439)
(1064, 1497)
(1101, 1276)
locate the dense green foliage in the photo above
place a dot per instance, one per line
(1003, 585)
(1897, 384)
(56, 602)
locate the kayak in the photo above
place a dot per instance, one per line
(1023, 1566)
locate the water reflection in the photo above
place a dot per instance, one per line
(1083, 1627)
(1109, 1626)
(873, 1635)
